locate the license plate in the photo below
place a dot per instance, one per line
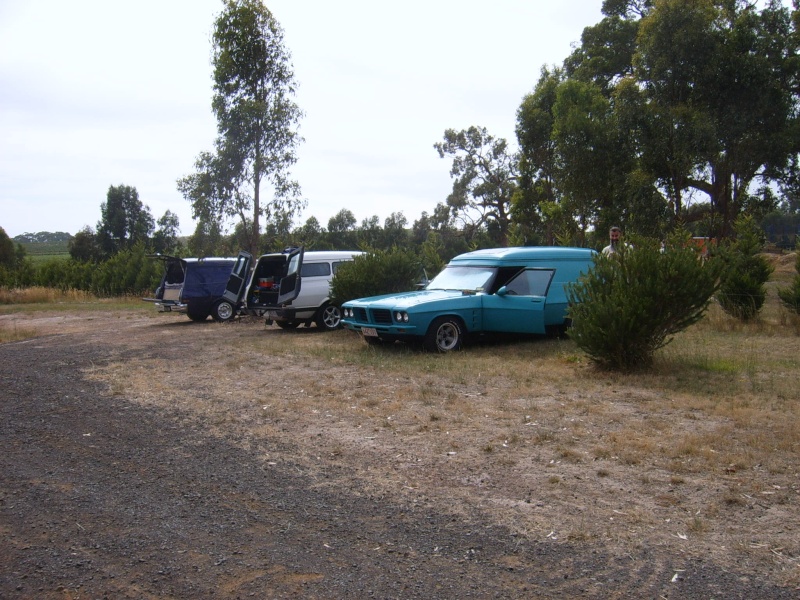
(369, 332)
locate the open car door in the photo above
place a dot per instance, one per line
(174, 274)
(238, 279)
(290, 283)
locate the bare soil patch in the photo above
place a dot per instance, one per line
(234, 460)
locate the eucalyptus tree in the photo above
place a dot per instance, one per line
(206, 240)
(395, 234)
(342, 230)
(714, 75)
(311, 235)
(485, 174)
(533, 206)
(124, 220)
(84, 248)
(702, 98)
(165, 238)
(369, 235)
(257, 121)
(593, 157)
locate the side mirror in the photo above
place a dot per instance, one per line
(502, 291)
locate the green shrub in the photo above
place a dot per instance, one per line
(790, 296)
(630, 304)
(375, 273)
(21, 276)
(127, 272)
(742, 291)
(64, 275)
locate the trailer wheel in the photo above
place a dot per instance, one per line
(223, 311)
(196, 316)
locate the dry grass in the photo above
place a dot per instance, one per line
(43, 295)
(13, 331)
(31, 312)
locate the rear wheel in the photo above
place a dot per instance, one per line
(223, 311)
(444, 335)
(329, 317)
(288, 324)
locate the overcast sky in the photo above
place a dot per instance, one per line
(95, 93)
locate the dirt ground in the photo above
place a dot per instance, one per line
(152, 457)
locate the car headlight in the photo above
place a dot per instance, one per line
(347, 312)
(401, 317)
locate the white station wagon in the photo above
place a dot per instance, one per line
(289, 288)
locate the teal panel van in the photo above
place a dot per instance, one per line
(500, 290)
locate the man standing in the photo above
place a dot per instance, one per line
(615, 233)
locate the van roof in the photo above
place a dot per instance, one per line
(204, 259)
(523, 253)
(312, 255)
(210, 259)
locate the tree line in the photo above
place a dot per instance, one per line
(676, 114)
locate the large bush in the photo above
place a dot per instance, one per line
(631, 303)
(375, 273)
(742, 291)
(790, 296)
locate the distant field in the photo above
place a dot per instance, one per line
(43, 251)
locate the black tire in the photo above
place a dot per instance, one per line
(446, 334)
(288, 324)
(223, 311)
(196, 316)
(329, 317)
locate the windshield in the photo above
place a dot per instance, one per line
(463, 278)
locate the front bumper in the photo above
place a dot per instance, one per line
(381, 330)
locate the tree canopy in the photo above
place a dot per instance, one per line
(663, 106)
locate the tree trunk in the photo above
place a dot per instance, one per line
(254, 234)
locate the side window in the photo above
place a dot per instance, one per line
(292, 266)
(315, 269)
(336, 265)
(531, 282)
(504, 275)
(239, 267)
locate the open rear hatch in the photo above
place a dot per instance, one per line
(172, 283)
(275, 281)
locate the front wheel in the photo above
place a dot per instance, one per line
(329, 317)
(444, 335)
(223, 311)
